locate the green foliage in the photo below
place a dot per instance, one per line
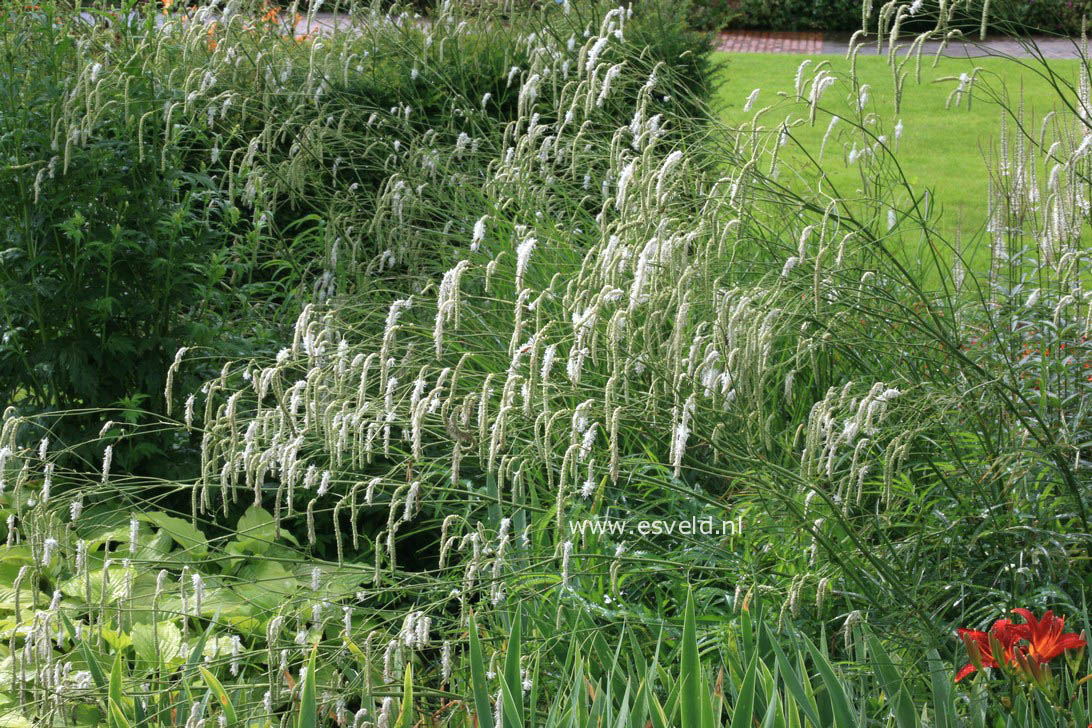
(308, 717)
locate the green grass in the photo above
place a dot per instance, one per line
(941, 149)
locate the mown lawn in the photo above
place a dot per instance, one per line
(942, 149)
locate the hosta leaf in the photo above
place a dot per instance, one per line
(14, 719)
(182, 532)
(265, 584)
(26, 598)
(18, 554)
(255, 530)
(144, 640)
(118, 640)
(76, 587)
(226, 602)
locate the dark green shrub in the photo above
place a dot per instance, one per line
(713, 14)
(1005, 16)
(799, 14)
(1053, 16)
(108, 251)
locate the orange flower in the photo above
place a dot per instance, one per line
(272, 15)
(1046, 637)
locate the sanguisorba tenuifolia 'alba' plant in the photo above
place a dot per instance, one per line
(385, 433)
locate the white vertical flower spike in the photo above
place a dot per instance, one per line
(751, 99)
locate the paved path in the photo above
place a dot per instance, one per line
(764, 41)
(758, 41)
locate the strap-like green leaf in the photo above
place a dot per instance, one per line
(796, 688)
(902, 705)
(221, 695)
(477, 678)
(743, 713)
(308, 702)
(117, 715)
(941, 680)
(690, 669)
(405, 715)
(843, 712)
(115, 691)
(512, 672)
(511, 712)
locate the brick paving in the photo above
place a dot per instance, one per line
(762, 41)
(765, 41)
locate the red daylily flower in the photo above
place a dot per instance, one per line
(1045, 636)
(1046, 639)
(981, 651)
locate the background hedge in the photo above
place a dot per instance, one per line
(1049, 16)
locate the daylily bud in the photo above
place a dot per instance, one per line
(1074, 659)
(1025, 668)
(1045, 679)
(973, 653)
(997, 650)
